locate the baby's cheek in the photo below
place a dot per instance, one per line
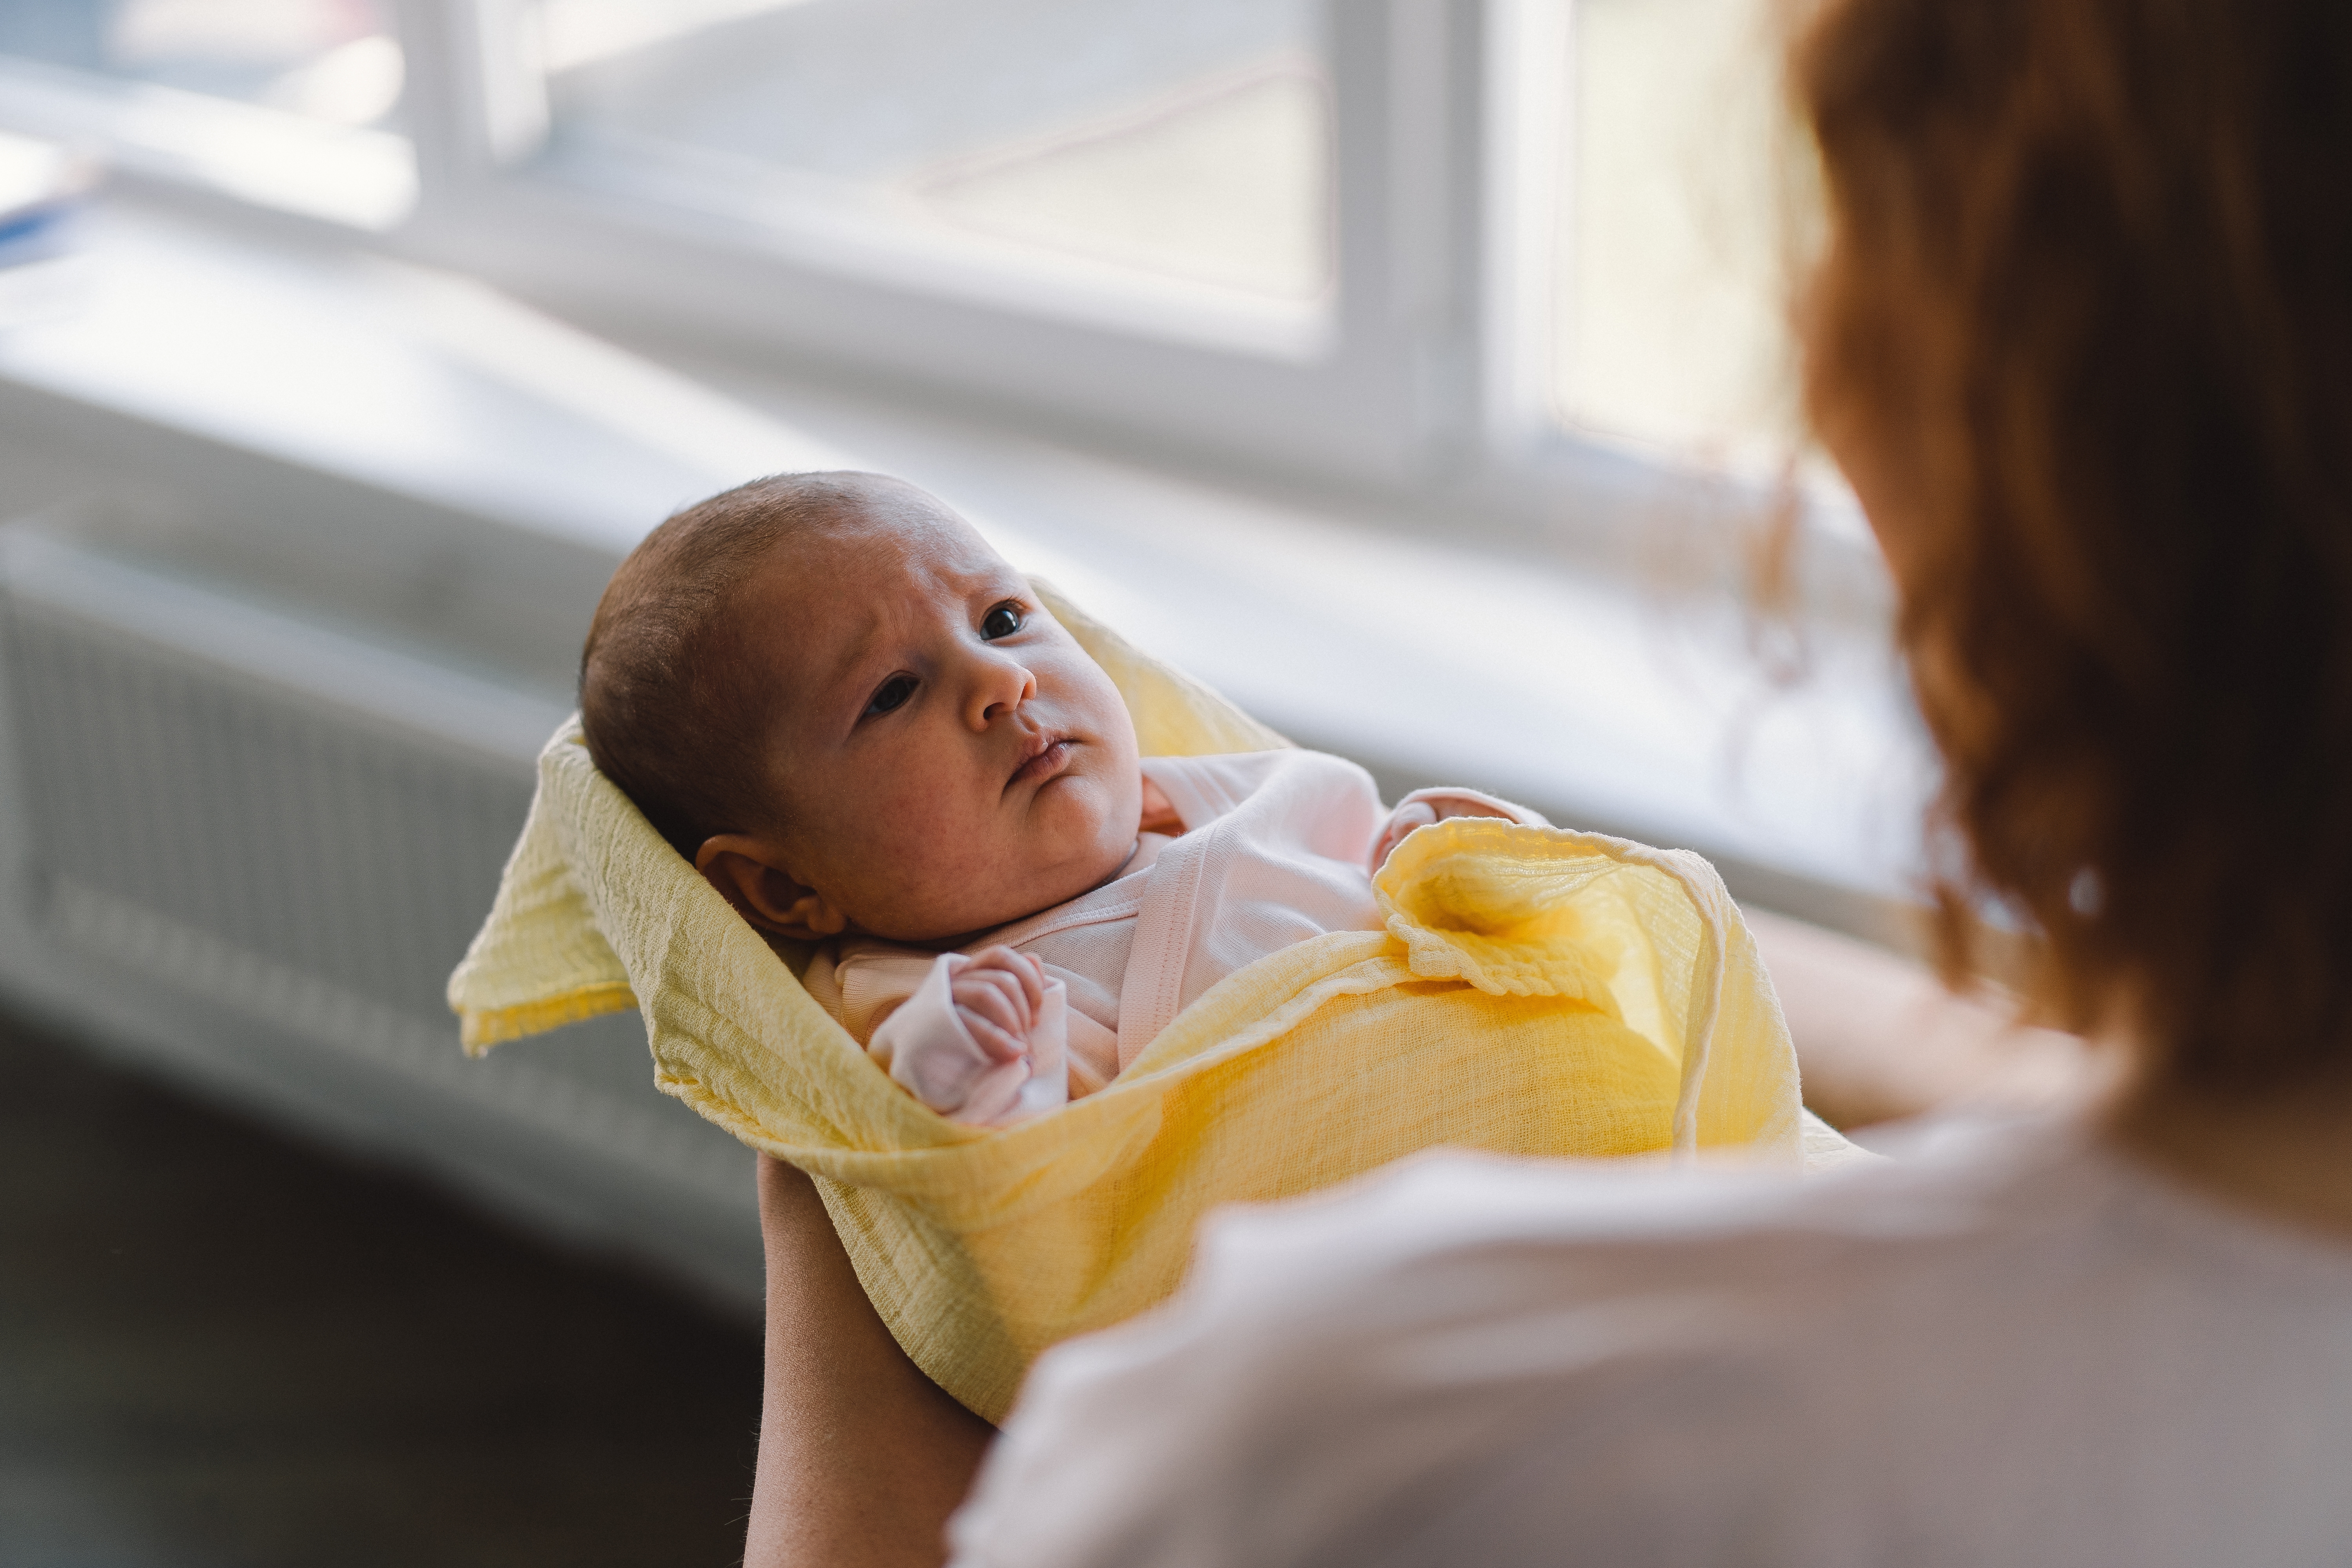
(893, 859)
(936, 851)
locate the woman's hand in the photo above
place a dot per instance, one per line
(862, 1458)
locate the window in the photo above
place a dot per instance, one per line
(1678, 222)
(1189, 143)
(293, 104)
(1520, 257)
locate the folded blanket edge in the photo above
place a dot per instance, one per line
(479, 1029)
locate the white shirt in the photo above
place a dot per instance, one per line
(2016, 1346)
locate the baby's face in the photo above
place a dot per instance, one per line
(944, 758)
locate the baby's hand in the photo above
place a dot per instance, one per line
(997, 995)
(1415, 814)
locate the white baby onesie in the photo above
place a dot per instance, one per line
(1277, 848)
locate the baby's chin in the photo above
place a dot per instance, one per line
(1086, 824)
(964, 923)
(1058, 882)
(1029, 883)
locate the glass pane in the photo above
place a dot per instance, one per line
(1189, 141)
(329, 60)
(1678, 234)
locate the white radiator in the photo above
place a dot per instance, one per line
(248, 846)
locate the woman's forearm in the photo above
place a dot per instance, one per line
(1878, 1037)
(862, 1458)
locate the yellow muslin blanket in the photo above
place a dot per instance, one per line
(1536, 992)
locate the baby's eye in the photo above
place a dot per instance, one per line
(892, 693)
(1001, 622)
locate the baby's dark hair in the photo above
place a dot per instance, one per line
(674, 711)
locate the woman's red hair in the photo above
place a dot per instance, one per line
(2083, 332)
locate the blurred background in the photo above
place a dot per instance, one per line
(1415, 371)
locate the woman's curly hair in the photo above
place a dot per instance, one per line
(2085, 325)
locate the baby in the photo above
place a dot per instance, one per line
(860, 725)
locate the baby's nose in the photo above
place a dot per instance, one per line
(1003, 687)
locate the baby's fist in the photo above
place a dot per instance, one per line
(1421, 813)
(997, 995)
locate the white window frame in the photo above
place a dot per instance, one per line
(1404, 381)
(349, 178)
(1425, 380)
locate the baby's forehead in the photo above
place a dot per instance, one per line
(889, 539)
(844, 577)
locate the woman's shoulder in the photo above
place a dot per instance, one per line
(1474, 1354)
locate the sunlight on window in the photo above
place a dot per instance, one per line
(1188, 141)
(1680, 228)
(1222, 182)
(579, 32)
(334, 60)
(288, 103)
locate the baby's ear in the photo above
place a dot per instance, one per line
(746, 874)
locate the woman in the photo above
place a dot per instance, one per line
(2083, 341)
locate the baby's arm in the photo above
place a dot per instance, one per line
(982, 1039)
(1423, 806)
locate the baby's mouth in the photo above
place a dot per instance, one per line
(1048, 755)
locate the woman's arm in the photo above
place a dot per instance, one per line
(862, 1458)
(1878, 1037)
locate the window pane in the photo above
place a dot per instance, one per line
(1678, 229)
(1187, 140)
(288, 103)
(332, 60)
